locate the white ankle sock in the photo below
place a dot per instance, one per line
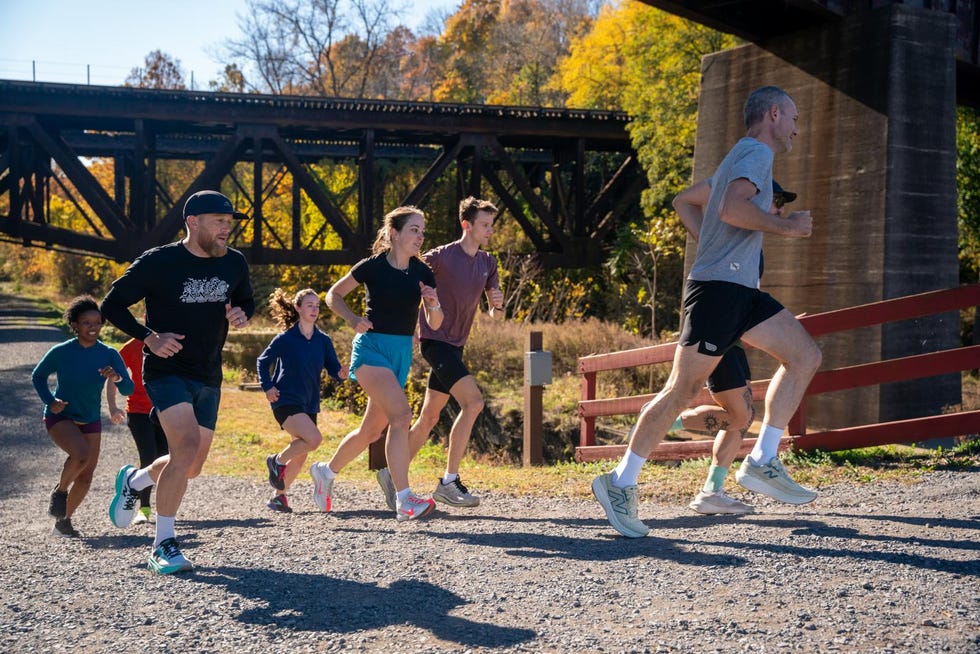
(402, 495)
(141, 479)
(165, 529)
(628, 470)
(449, 478)
(766, 446)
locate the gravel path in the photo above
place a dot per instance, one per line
(866, 568)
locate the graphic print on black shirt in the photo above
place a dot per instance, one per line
(204, 290)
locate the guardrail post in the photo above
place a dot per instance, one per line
(587, 433)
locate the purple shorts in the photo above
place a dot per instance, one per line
(84, 427)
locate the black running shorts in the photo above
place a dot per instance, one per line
(447, 364)
(731, 372)
(283, 411)
(716, 314)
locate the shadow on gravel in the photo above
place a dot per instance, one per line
(303, 602)
(605, 547)
(863, 550)
(136, 540)
(927, 522)
(223, 523)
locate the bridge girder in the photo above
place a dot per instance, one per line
(533, 159)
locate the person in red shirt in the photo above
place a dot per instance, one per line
(147, 433)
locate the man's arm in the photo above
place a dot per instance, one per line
(689, 205)
(243, 296)
(738, 210)
(125, 292)
(117, 312)
(495, 297)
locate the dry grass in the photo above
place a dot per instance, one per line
(247, 432)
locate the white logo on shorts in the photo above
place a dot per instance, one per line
(735, 266)
(710, 347)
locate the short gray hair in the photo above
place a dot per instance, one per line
(759, 102)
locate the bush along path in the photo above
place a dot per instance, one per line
(883, 567)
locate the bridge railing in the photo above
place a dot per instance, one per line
(837, 379)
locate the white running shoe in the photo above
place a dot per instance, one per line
(620, 506)
(322, 486)
(414, 507)
(718, 502)
(773, 480)
(142, 516)
(454, 494)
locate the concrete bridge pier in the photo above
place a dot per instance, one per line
(875, 162)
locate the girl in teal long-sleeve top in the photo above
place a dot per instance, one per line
(72, 413)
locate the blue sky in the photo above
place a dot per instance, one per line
(76, 41)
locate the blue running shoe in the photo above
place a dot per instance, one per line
(167, 559)
(123, 505)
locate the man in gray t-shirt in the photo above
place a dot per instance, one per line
(723, 304)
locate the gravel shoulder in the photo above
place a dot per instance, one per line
(882, 567)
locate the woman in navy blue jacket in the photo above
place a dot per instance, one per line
(289, 373)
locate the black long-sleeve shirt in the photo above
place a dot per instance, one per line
(185, 294)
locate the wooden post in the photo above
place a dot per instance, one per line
(587, 429)
(533, 413)
(376, 453)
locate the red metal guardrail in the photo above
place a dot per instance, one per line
(881, 372)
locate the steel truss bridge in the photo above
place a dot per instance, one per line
(567, 177)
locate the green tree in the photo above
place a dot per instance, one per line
(968, 204)
(648, 63)
(968, 191)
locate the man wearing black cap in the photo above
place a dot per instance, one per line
(194, 290)
(722, 304)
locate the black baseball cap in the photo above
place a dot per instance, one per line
(210, 202)
(776, 190)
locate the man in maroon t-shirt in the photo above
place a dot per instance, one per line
(463, 273)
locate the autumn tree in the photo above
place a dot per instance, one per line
(528, 41)
(648, 63)
(505, 52)
(232, 80)
(159, 71)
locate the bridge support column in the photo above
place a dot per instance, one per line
(875, 162)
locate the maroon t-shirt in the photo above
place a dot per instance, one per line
(461, 280)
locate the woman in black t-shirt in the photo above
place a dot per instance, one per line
(396, 280)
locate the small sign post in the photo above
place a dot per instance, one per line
(537, 373)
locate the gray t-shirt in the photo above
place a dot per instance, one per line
(726, 253)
